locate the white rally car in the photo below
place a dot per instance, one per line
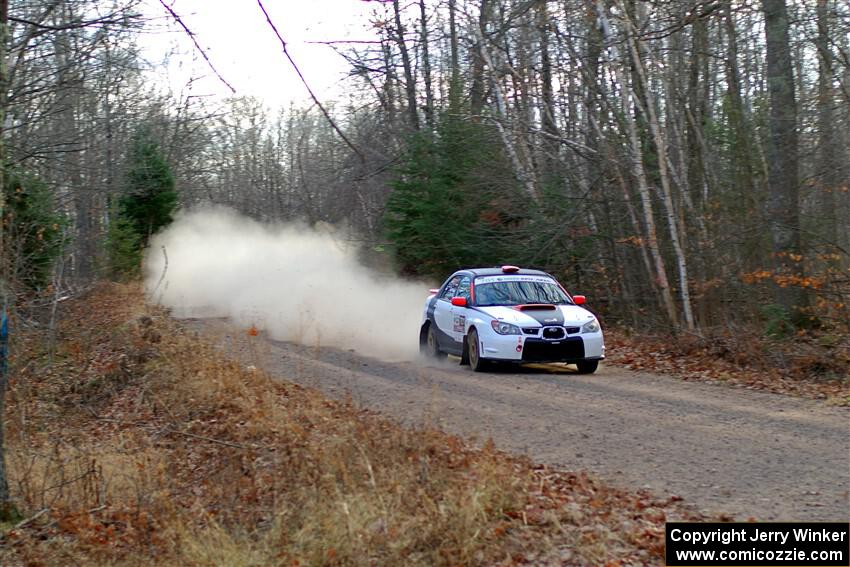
(510, 314)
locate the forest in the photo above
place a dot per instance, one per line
(684, 163)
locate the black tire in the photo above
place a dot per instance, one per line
(431, 348)
(473, 350)
(587, 366)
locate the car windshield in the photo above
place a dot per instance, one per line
(519, 292)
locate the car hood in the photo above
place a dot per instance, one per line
(567, 315)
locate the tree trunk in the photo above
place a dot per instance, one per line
(635, 151)
(426, 66)
(409, 84)
(523, 173)
(676, 234)
(7, 509)
(741, 148)
(4, 89)
(476, 93)
(638, 171)
(550, 142)
(783, 174)
(454, 80)
(698, 82)
(827, 163)
(389, 81)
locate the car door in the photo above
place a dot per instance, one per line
(459, 314)
(443, 316)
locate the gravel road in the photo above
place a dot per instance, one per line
(724, 450)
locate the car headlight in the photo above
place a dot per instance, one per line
(590, 327)
(504, 328)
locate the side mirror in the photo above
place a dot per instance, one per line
(579, 299)
(459, 301)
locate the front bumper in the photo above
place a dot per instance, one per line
(521, 348)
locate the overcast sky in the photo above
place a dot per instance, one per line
(244, 49)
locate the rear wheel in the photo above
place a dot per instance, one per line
(587, 366)
(432, 347)
(473, 350)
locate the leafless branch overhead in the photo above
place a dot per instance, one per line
(307, 86)
(197, 46)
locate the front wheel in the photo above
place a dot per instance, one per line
(473, 350)
(587, 366)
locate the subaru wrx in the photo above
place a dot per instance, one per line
(510, 314)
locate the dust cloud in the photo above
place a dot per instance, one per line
(297, 283)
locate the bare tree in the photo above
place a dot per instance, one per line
(783, 172)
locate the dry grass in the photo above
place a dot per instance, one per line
(138, 443)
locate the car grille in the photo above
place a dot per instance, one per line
(553, 333)
(538, 350)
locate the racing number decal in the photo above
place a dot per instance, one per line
(459, 325)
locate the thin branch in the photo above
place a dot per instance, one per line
(197, 45)
(578, 147)
(213, 440)
(72, 25)
(31, 519)
(91, 511)
(307, 86)
(700, 11)
(162, 277)
(344, 41)
(170, 429)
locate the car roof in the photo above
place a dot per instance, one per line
(498, 272)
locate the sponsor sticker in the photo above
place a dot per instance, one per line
(496, 279)
(459, 324)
